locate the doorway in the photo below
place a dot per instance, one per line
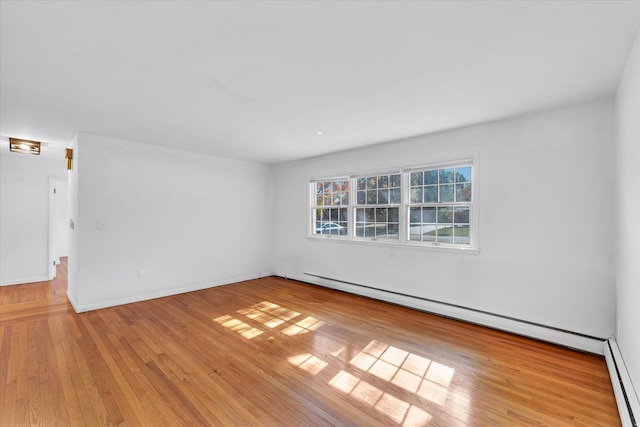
(58, 223)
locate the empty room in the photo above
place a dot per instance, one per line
(319, 213)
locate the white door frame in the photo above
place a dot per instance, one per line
(52, 224)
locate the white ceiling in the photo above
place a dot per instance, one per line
(259, 80)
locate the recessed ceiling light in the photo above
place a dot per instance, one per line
(319, 133)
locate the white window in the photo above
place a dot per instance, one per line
(377, 208)
(330, 210)
(440, 205)
(429, 205)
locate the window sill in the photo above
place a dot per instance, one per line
(395, 244)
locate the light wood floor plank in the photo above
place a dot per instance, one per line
(274, 352)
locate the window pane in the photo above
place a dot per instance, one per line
(429, 215)
(394, 196)
(446, 237)
(359, 231)
(446, 176)
(381, 230)
(461, 234)
(463, 192)
(372, 182)
(370, 215)
(431, 177)
(394, 180)
(383, 181)
(461, 215)
(332, 193)
(325, 214)
(393, 230)
(343, 214)
(414, 232)
(445, 214)
(383, 197)
(362, 183)
(381, 215)
(362, 197)
(428, 234)
(334, 214)
(431, 194)
(416, 178)
(360, 215)
(393, 214)
(372, 197)
(370, 230)
(318, 215)
(463, 174)
(446, 193)
(415, 215)
(343, 198)
(416, 195)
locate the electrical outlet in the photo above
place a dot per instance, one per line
(101, 224)
(141, 273)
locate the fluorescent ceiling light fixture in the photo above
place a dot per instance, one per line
(24, 146)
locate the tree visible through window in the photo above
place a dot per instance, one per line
(431, 206)
(331, 207)
(377, 206)
(440, 205)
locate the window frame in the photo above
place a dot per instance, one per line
(472, 204)
(312, 232)
(404, 207)
(355, 206)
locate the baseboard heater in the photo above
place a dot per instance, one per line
(626, 397)
(627, 400)
(563, 337)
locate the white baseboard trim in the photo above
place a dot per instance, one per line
(520, 327)
(163, 293)
(23, 281)
(72, 302)
(626, 396)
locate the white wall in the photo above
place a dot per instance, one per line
(24, 216)
(545, 221)
(72, 199)
(628, 215)
(188, 220)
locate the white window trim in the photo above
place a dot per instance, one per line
(404, 208)
(312, 198)
(354, 205)
(473, 221)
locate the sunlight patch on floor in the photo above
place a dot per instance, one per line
(413, 373)
(238, 326)
(269, 314)
(308, 362)
(397, 409)
(304, 326)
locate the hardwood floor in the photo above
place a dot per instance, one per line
(279, 353)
